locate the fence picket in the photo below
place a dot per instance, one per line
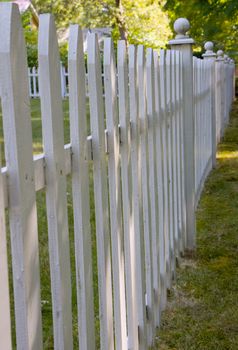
(153, 186)
(100, 193)
(165, 167)
(169, 163)
(110, 86)
(174, 155)
(19, 159)
(137, 216)
(181, 149)
(160, 183)
(80, 189)
(145, 192)
(56, 201)
(129, 228)
(178, 102)
(5, 320)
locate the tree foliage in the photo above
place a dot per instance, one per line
(211, 20)
(139, 22)
(147, 22)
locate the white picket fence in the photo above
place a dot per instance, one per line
(148, 171)
(33, 81)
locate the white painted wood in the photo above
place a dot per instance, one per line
(62, 80)
(195, 80)
(165, 168)
(153, 185)
(29, 81)
(114, 179)
(80, 190)
(5, 186)
(137, 213)
(56, 201)
(130, 239)
(21, 190)
(5, 317)
(218, 97)
(185, 46)
(181, 136)
(145, 193)
(39, 171)
(169, 163)
(211, 103)
(181, 224)
(200, 122)
(39, 168)
(174, 156)
(100, 194)
(34, 81)
(160, 183)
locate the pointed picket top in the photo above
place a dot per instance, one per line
(121, 61)
(141, 86)
(75, 43)
(47, 36)
(140, 56)
(149, 57)
(109, 56)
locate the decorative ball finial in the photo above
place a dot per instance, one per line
(220, 54)
(226, 58)
(209, 46)
(181, 26)
(209, 50)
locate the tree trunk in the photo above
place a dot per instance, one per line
(121, 21)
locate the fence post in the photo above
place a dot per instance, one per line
(220, 95)
(220, 58)
(210, 56)
(183, 43)
(234, 80)
(226, 67)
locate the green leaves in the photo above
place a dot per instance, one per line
(211, 20)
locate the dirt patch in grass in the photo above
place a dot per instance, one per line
(202, 312)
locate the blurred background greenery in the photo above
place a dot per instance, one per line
(147, 22)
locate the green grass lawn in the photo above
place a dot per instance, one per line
(203, 307)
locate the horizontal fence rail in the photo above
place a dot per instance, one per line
(128, 165)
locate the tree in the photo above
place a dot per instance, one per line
(138, 22)
(211, 20)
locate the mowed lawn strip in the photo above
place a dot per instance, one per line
(203, 306)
